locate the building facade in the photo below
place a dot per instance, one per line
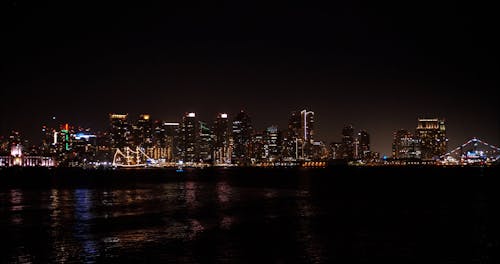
(432, 135)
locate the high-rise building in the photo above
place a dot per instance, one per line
(405, 145)
(336, 150)
(84, 146)
(159, 137)
(362, 145)
(222, 139)
(348, 143)
(242, 136)
(432, 135)
(294, 125)
(307, 126)
(272, 143)
(306, 133)
(189, 138)
(143, 132)
(257, 148)
(205, 142)
(292, 143)
(173, 141)
(300, 136)
(120, 134)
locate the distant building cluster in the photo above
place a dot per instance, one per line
(224, 141)
(427, 142)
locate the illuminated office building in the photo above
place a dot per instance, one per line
(84, 145)
(189, 133)
(292, 143)
(222, 139)
(307, 133)
(294, 125)
(307, 126)
(143, 132)
(432, 135)
(257, 148)
(362, 145)
(119, 133)
(348, 143)
(205, 142)
(336, 150)
(405, 145)
(300, 136)
(272, 143)
(242, 136)
(172, 141)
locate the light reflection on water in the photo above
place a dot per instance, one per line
(193, 221)
(311, 245)
(16, 202)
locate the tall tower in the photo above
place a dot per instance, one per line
(307, 126)
(189, 138)
(173, 141)
(432, 135)
(405, 145)
(242, 136)
(292, 145)
(119, 130)
(272, 141)
(294, 125)
(348, 148)
(222, 137)
(143, 132)
(363, 146)
(205, 145)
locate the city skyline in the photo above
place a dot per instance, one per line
(384, 150)
(377, 66)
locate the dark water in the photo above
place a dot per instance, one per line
(346, 215)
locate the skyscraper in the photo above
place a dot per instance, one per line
(173, 141)
(294, 125)
(306, 133)
(363, 144)
(119, 131)
(292, 144)
(205, 141)
(300, 136)
(272, 143)
(432, 135)
(189, 138)
(257, 148)
(242, 136)
(307, 126)
(347, 147)
(143, 132)
(222, 139)
(405, 145)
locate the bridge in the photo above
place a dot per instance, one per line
(472, 152)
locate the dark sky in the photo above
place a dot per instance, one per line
(376, 65)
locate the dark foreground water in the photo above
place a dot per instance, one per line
(338, 215)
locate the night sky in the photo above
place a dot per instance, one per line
(377, 66)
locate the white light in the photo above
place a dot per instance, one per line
(192, 115)
(223, 115)
(16, 151)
